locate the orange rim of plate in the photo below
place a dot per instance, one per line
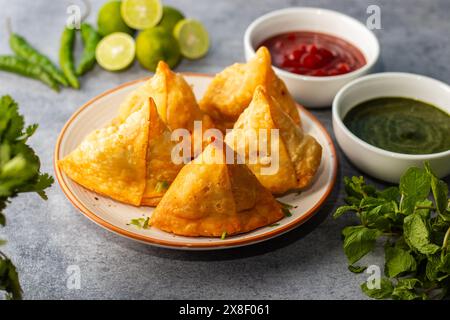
(177, 244)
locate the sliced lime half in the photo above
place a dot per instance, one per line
(116, 51)
(141, 14)
(192, 38)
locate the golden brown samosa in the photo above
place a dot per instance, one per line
(298, 157)
(173, 97)
(112, 160)
(161, 170)
(231, 90)
(210, 198)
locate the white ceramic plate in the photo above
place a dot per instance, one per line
(116, 216)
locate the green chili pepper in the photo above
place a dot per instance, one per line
(66, 60)
(90, 39)
(23, 49)
(25, 68)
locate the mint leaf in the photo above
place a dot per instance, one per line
(415, 229)
(414, 186)
(440, 192)
(356, 187)
(356, 269)
(432, 267)
(439, 189)
(445, 263)
(344, 209)
(359, 241)
(398, 261)
(389, 194)
(404, 290)
(383, 292)
(417, 234)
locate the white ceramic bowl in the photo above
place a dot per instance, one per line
(314, 92)
(379, 163)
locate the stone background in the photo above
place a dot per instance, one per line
(307, 263)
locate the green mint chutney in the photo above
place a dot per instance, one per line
(400, 125)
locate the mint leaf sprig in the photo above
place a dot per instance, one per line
(413, 222)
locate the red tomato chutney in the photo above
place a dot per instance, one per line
(313, 53)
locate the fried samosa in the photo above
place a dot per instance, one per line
(112, 160)
(231, 90)
(173, 97)
(294, 156)
(210, 198)
(161, 170)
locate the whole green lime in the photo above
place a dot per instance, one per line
(109, 19)
(170, 18)
(156, 44)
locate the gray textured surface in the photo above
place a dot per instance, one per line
(308, 263)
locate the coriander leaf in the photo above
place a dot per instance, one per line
(285, 208)
(9, 279)
(43, 182)
(19, 165)
(414, 186)
(383, 292)
(356, 269)
(19, 172)
(358, 241)
(145, 225)
(398, 261)
(343, 209)
(417, 234)
(161, 186)
(141, 223)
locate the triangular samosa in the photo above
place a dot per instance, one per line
(210, 198)
(173, 97)
(298, 157)
(161, 170)
(231, 90)
(112, 160)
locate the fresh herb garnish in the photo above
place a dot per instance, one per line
(415, 231)
(141, 223)
(161, 186)
(224, 235)
(286, 208)
(274, 225)
(19, 172)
